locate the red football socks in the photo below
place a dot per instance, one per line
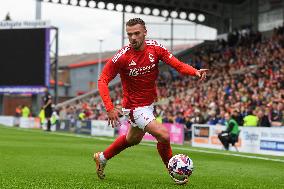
(165, 152)
(121, 144)
(116, 147)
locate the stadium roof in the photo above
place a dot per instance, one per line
(213, 13)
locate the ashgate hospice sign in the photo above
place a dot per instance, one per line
(24, 24)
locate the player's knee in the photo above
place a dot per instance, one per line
(134, 142)
(164, 137)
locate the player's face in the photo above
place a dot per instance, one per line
(136, 36)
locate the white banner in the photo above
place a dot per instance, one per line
(272, 141)
(25, 122)
(7, 120)
(101, 128)
(29, 122)
(24, 24)
(250, 139)
(260, 140)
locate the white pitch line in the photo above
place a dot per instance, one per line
(181, 148)
(222, 153)
(173, 147)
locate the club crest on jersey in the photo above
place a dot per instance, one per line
(132, 63)
(151, 58)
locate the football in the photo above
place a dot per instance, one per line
(180, 168)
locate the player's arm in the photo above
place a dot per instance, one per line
(48, 102)
(181, 67)
(109, 72)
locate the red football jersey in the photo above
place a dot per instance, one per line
(138, 72)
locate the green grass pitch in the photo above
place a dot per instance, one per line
(37, 159)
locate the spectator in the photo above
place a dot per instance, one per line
(82, 116)
(197, 117)
(276, 114)
(187, 129)
(179, 118)
(250, 120)
(221, 118)
(263, 119)
(238, 116)
(18, 111)
(41, 116)
(25, 111)
(213, 119)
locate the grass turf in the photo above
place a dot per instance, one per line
(37, 159)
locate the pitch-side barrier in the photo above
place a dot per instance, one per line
(259, 140)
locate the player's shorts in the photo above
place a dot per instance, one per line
(140, 117)
(48, 112)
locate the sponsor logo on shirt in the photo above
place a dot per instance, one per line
(141, 70)
(132, 63)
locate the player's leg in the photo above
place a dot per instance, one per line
(224, 138)
(162, 135)
(133, 137)
(115, 148)
(48, 114)
(48, 126)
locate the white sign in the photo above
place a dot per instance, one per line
(260, 140)
(25, 122)
(29, 122)
(24, 24)
(272, 140)
(7, 120)
(101, 128)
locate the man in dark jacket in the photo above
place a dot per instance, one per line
(47, 100)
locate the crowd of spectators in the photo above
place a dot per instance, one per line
(246, 78)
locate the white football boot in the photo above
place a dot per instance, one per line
(100, 165)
